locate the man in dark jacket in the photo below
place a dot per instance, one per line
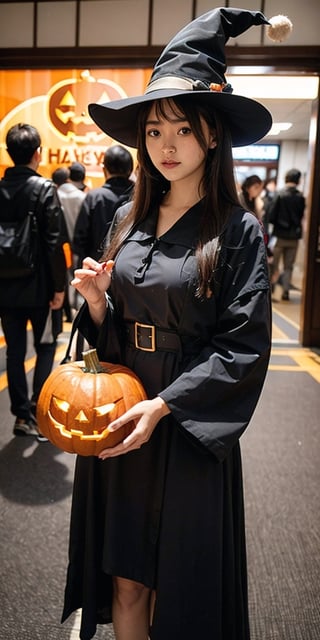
(285, 212)
(100, 204)
(38, 297)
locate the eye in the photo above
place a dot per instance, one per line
(153, 133)
(185, 131)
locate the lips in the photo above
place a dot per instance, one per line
(169, 164)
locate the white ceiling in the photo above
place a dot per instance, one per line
(296, 111)
(288, 98)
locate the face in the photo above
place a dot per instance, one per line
(254, 190)
(173, 147)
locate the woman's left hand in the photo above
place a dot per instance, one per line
(145, 415)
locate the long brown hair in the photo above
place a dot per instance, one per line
(218, 184)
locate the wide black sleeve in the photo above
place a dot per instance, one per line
(214, 399)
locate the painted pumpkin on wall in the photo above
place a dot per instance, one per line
(79, 400)
(68, 106)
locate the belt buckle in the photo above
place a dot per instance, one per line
(151, 337)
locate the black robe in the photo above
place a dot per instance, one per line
(171, 514)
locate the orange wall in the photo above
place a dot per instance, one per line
(55, 102)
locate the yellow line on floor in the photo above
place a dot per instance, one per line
(284, 367)
(309, 363)
(305, 360)
(276, 313)
(29, 364)
(278, 334)
(288, 351)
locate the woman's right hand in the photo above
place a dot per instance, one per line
(93, 280)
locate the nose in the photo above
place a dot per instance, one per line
(168, 147)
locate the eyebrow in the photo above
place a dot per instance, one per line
(172, 121)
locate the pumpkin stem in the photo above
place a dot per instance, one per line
(91, 361)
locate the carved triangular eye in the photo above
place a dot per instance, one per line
(104, 98)
(104, 409)
(63, 405)
(68, 100)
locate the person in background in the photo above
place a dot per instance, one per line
(100, 204)
(60, 176)
(182, 297)
(250, 198)
(37, 298)
(71, 198)
(285, 212)
(267, 195)
(269, 190)
(77, 174)
(249, 195)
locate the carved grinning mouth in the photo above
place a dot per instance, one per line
(81, 419)
(68, 433)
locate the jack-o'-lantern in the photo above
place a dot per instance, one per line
(80, 399)
(68, 106)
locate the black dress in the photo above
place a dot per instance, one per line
(171, 515)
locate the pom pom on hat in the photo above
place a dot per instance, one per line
(279, 29)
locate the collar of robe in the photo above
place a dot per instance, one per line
(183, 233)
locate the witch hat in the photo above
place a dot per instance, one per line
(193, 64)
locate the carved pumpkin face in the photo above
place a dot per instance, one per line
(76, 406)
(68, 106)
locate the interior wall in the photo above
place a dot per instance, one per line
(110, 22)
(293, 154)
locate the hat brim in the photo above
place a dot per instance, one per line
(248, 120)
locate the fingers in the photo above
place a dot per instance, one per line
(133, 441)
(90, 263)
(129, 444)
(146, 415)
(55, 305)
(90, 270)
(82, 274)
(135, 414)
(57, 300)
(124, 419)
(98, 267)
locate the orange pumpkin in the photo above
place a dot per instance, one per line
(79, 400)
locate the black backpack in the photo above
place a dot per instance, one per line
(19, 245)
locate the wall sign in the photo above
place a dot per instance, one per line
(56, 103)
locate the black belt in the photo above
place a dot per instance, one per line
(147, 337)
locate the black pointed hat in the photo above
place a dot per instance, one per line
(193, 64)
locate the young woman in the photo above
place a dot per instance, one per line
(250, 195)
(157, 543)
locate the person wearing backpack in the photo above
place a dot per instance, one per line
(100, 204)
(31, 286)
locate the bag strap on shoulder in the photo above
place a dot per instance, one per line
(36, 184)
